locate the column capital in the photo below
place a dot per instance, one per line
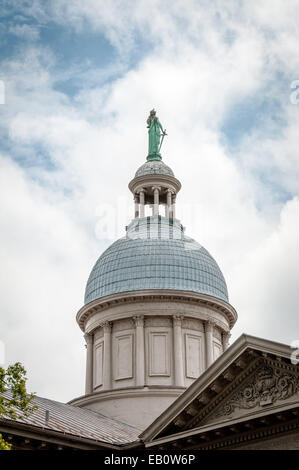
(141, 190)
(209, 325)
(139, 320)
(156, 187)
(106, 325)
(177, 320)
(136, 197)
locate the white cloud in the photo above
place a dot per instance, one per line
(24, 31)
(265, 281)
(45, 261)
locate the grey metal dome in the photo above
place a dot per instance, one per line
(155, 254)
(154, 168)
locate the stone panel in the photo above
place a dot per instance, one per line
(159, 361)
(124, 357)
(98, 364)
(217, 350)
(192, 355)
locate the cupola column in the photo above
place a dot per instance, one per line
(156, 190)
(136, 203)
(89, 363)
(141, 200)
(173, 205)
(178, 351)
(209, 328)
(107, 356)
(139, 324)
(168, 206)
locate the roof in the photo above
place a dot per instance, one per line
(155, 254)
(252, 379)
(154, 168)
(74, 421)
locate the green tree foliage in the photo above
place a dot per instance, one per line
(15, 403)
(4, 445)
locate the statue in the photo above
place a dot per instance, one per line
(155, 132)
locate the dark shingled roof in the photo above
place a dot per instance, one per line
(79, 422)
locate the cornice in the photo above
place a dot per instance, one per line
(252, 436)
(99, 305)
(154, 179)
(236, 431)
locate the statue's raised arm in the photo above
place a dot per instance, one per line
(156, 135)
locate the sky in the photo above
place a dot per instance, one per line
(77, 82)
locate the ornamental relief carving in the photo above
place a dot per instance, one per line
(268, 385)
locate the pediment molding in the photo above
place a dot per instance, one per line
(266, 387)
(267, 382)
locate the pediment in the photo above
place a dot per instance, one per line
(270, 386)
(253, 381)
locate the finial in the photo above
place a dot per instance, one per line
(156, 135)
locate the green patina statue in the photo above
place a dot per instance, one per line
(155, 136)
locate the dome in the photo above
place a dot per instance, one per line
(154, 168)
(155, 254)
